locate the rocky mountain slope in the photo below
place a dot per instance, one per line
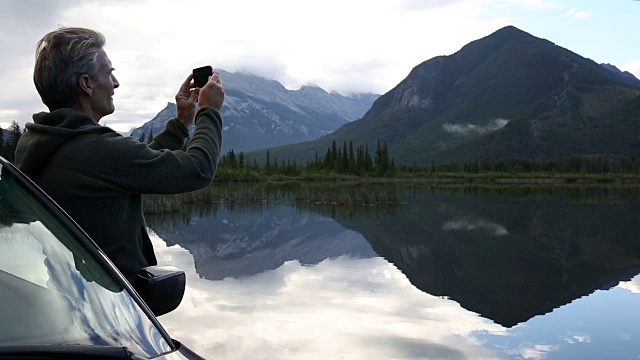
(260, 113)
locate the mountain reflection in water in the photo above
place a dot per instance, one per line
(293, 271)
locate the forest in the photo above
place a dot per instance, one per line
(344, 160)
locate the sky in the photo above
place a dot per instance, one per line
(346, 46)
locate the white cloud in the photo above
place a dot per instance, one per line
(632, 67)
(536, 352)
(632, 285)
(623, 336)
(536, 4)
(579, 14)
(467, 129)
(573, 338)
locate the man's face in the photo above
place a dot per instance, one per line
(104, 85)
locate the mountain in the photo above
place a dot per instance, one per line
(509, 94)
(260, 113)
(630, 79)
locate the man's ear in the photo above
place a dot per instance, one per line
(86, 85)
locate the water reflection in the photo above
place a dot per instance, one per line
(243, 243)
(510, 256)
(339, 308)
(314, 281)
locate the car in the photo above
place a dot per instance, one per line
(60, 295)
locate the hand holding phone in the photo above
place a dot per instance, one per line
(211, 94)
(201, 75)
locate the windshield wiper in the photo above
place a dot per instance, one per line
(72, 352)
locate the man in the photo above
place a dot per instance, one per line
(96, 175)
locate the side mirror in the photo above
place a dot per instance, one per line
(161, 287)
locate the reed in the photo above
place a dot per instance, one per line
(286, 192)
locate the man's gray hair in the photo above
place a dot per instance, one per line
(62, 57)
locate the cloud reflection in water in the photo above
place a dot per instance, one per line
(341, 308)
(472, 225)
(632, 285)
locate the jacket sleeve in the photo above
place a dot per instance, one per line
(126, 165)
(171, 138)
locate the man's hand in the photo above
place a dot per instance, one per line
(212, 94)
(186, 100)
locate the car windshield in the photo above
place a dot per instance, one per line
(53, 290)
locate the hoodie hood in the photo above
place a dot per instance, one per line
(50, 131)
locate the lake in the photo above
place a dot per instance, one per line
(507, 272)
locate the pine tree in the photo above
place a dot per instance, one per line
(231, 159)
(334, 156)
(241, 160)
(267, 166)
(368, 161)
(12, 141)
(1, 142)
(352, 159)
(142, 138)
(150, 138)
(327, 159)
(344, 161)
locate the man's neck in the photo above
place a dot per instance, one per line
(85, 108)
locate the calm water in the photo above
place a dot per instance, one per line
(509, 273)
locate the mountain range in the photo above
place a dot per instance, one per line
(260, 113)
(509, 94)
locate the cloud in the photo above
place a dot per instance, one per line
(632, 67)
(472, 225)
(536, 352)
(427, 4)
(267, 67)
(574, 338)
(468, 129)
(536, 4)
(579, 14)
(632, 285)
(22, 24)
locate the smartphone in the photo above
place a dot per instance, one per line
(201, 75)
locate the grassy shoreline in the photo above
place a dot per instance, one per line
(447, 178)
(356, 191)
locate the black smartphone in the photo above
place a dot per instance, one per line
(201, 75)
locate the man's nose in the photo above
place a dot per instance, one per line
(116, 84)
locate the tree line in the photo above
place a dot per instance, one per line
(359, 161)
(342, 160)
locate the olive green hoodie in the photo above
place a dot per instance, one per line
(98, 176)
